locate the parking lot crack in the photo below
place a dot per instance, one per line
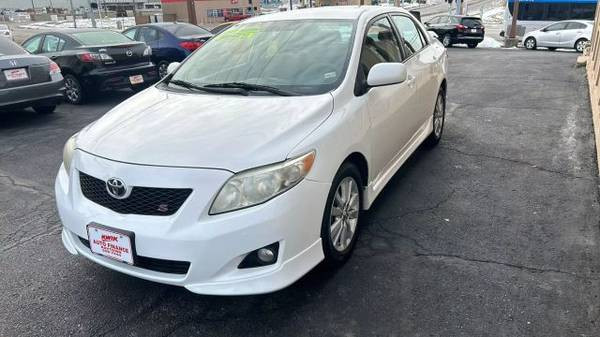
(26, 187)
(517, 161)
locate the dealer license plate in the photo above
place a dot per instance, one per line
(109, 243)
(136, 79)
(473, 30)
(16, 74)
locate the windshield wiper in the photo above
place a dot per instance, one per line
(252, 87)
(223, 90)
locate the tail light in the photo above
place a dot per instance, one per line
(93, 57)
(191, 45)
(460, 27)
(54, 68)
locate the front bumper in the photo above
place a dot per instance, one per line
(103, 79)
(40, 94)
(214, 245)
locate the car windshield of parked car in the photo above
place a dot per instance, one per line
(100, 38)
(184, 29)
(7, 47)
(303, 57)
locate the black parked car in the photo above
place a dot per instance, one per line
(28, 80)
(93, 59)
(453, 29)
(170, 41)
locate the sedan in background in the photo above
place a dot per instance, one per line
(28, 80)
(5, 31)
(170, 41)
(254, 159)
(453, 29)
(572, 34)
(93, 59)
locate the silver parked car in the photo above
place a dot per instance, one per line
(571, 34)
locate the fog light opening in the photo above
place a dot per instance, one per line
(264, 256)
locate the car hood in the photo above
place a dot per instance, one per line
(231, 132)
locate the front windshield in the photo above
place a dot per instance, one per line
(304, 57)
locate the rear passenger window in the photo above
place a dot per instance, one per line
(52, 44)
(148, 34)
(130, 33)
(411, 38)
(576, 25)
(33, 45)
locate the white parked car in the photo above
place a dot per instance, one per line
(252, 160)
(5, 31)
(571, 34)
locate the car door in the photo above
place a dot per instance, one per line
(569, 35)
(390, 108)
(550, 36)
(422, 62)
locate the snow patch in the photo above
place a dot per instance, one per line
(489, 42)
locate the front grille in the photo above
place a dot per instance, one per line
(160, 265)
(141, 201)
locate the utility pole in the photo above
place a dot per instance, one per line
(72, 13)
(458, 7)
(191, 12)
(32, 6)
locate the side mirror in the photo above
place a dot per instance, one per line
(427, 24)
(386, 73)
(172, 67)
(433, 34)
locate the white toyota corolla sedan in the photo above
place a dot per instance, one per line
(250, 163)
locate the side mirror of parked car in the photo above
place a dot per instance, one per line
(172, 66)
(426, 24)
(386, 74)
(433, 34)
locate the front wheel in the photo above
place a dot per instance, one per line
(439, 117)
(580, 45)
(530, 43)
(339, 230)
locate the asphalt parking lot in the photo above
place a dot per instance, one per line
(493, 233)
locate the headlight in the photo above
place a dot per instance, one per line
(68, 152)
(258, 185)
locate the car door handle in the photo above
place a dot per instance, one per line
(53, 57)
(410, 81)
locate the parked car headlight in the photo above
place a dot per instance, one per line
(258, 185)
(68, 152)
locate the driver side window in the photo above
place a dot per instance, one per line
(380, 45)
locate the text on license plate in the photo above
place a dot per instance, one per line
(136, 79)
(473, 30)
(16, 74)
(110, 244)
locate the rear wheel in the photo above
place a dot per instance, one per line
(447, 40)
(74, 91)
(530, 43)
(472, 45)
(339, 230)
(162, 68)
(580, 45)
(47, 109)
(439, 117)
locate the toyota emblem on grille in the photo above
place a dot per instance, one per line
(129, 52)
(116, 188)
(13, 63)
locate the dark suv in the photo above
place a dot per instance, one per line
(453, 29)
(93, 59)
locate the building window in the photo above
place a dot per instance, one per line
(215, 13)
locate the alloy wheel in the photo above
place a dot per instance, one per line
(344, 214)
(73, 90)
(580, 46)
(438, 116)
(530, 43)
(162, 70)
(446, 40)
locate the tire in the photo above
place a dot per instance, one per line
(530, 43)
(580, 45)
(337, 246)
(447, 40)
(161, 69)
(439, 118)
(74, 93)
(472, 45)
(48, 109)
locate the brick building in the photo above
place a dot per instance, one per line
(210, 11)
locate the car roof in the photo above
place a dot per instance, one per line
(330, 12)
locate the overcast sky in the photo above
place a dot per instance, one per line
(41, 3)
